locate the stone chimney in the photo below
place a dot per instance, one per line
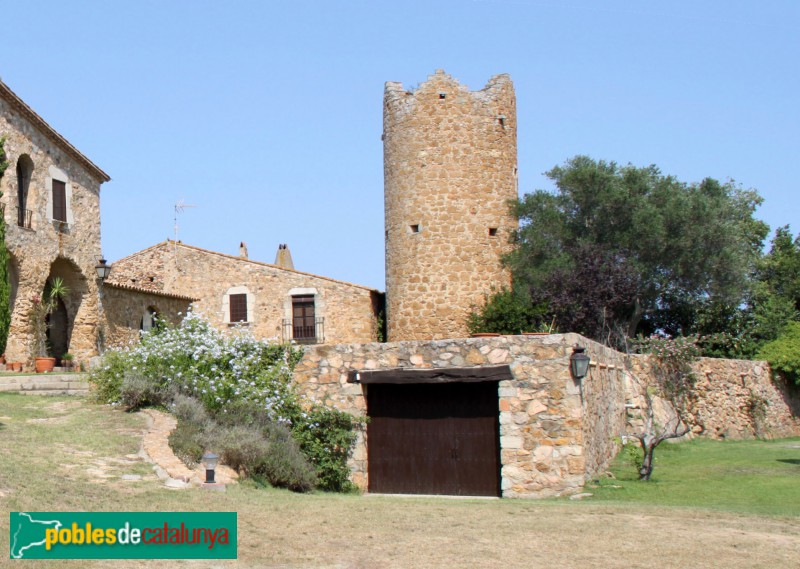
(243, 250)
(283, 258)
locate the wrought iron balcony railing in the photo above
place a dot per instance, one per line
(304, 334)
(24, 217)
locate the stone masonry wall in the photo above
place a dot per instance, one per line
(552, 433)
(735, 399)
(555, 433)
(450, 171)
(124, 308)
(48, 248)
(349, 311)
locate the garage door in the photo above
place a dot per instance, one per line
(434, 438)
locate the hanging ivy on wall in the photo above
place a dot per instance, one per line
(3, 161)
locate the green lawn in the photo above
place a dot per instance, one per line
(757, 477)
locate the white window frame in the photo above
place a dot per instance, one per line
(55, 173)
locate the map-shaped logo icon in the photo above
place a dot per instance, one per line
(28, 533)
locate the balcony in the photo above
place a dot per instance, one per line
(304, 334)
(24, 217)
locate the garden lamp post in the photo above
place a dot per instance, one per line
(209, 462)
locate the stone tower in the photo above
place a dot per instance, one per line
(450, 171)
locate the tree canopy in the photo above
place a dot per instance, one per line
(620, 250)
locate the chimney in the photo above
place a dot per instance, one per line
(283, 258)
(243, 250)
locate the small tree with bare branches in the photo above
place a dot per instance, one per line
(667, 392)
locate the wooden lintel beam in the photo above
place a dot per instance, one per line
(444, 375)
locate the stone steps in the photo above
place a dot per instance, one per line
(45, 383)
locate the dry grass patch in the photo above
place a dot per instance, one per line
(286, 530)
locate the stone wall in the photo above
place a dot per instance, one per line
(553, 431)
(349, 311)
(450, 171)
(39, 247)
(734, 399)
(124, 308)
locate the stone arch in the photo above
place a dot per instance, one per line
(24, 175)
(62, 320)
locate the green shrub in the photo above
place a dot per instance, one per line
(189, 439)
(187, 442)
(137, 391)
(241, 383)
(506, 312)
(286, 465)
(245, 439)
(326, 437)
(190, 410)
(239, 447)
(783, 353)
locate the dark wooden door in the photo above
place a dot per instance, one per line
(434, 439)
(303, 317)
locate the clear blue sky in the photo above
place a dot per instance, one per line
(267, 116)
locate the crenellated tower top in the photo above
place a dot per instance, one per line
(450, 170)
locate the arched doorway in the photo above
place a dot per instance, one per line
(60, 322)
(58, 332)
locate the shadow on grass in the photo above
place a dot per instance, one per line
(790, 460)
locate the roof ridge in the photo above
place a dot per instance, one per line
(242, 259)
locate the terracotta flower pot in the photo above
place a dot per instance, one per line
(16, 366)
(45, 364)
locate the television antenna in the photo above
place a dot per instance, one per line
(179, 207)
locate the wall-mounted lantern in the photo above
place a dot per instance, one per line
(103, 270)
(579, 362)
(209, 462)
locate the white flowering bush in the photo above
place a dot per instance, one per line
(196, 359)
(234, 376)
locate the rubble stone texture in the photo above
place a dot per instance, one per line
(450, 171)
(555, 432)
(349, 311)
(124, 309)
(49, 248)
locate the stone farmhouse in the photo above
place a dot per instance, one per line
(51, 206)
(274, 301)
(497, 416)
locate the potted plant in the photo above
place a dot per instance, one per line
(41, 308)
(67, 360)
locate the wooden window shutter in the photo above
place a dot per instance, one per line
(59, 201)
(238, 304)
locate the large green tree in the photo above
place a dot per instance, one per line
(780, 268)
(5, 287)
(773, 300)
(633, 247)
